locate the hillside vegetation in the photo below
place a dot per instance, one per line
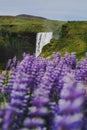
(22, 23)
(73, 38)
(18, 34)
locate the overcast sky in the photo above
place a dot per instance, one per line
(53, 9)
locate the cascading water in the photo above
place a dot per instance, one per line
(42, 39)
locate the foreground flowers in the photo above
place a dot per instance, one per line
(44, 94)
(70, 115)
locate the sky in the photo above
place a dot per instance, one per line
(51, 9)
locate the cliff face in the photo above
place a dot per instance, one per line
(15, 43)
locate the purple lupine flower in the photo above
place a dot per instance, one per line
(74, 61)
(2, 113)
(18, 103)
(67, 59)
(81, 71)
(26, 63)
(57, 58)
(12, 63)
(39, 103)
(70, 105)
(2, 79)
(39, 94)
(8, 64)
(56, 75)
(59, 72)
(24, 54)
(70, 60)
(11, 79)
(41, 68)
(85, 111)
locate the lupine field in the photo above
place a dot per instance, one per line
(44, 94)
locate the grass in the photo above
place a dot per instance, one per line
(19, 24)
(73, 38)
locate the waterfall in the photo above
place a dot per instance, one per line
(42, 39)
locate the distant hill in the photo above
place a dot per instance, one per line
(30, 16)
(25, 16)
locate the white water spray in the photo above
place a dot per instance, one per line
(42, 39)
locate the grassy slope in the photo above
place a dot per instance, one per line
(73, 38)
(20, 24)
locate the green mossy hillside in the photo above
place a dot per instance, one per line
(73, 38)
